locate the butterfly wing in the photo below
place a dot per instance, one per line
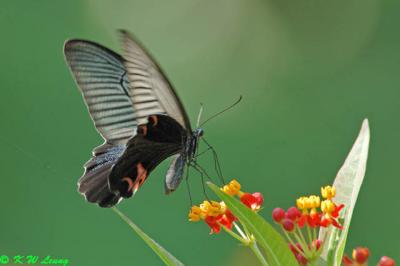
(101, 78)
(175, 173)
(152, 94)
(94, 183)
(155, 141)
(120, 95)
(146, 76)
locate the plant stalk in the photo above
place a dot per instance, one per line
(253, 246)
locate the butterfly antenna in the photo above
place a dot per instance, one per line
(199, 115)
(224, 110)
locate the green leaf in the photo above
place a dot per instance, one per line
(164, 255)
(276, 248)
(348, 183)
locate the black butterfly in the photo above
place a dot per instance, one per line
(136, 110)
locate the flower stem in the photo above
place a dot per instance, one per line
(303, 244)
(237, 227)
(300, 233)
(253, 246)
(245, 229)
(310, 238)
(244, 241)
(293, 244)
(314, 233)
(312, 263)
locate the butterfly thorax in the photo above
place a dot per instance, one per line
(193, 143)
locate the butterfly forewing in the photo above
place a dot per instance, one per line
(152, 92)
(101, 77)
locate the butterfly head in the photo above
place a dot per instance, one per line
(198, 133)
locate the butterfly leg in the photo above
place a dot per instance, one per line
(201, 153)
(217, 165)
(202, 173)
(188, 186)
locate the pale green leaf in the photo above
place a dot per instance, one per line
(276, 248)
(164, 255)
(348, 183)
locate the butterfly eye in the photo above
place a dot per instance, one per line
(200, 132)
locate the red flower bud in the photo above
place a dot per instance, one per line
(278, 214)
(253, 201)
(347, 261)
(259, 197)
(360, 255)
(293, 249)
(301, 260)
(293, 213)
(316, 243)
(386, 261)
(288, 225)
(299, 247)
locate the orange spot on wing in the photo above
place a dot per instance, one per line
(154, 120)
(141, 177)
(129, 181)
(142, 130)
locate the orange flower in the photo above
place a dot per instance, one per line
(232, 189)
(253, 201)
(214, 214)
(330, 214)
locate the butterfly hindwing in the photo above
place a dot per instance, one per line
(157, 140)
(94, 182)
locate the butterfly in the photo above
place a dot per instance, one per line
(139, 115)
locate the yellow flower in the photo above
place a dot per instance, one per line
(232, 189)
(328, 192)
(302, 203)
(314, 201)
(195, 214)
(306, 203)
(223, 207)
(211, 208)
(327, 206)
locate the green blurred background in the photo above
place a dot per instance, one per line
(309, 71)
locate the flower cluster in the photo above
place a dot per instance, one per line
(360, 258)
(216, 214)
(253, 201)
(306, 212)
(311, 213)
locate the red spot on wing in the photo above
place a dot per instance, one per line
(142, 130)
(129, 181)
(141, 177)
(154, 120)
